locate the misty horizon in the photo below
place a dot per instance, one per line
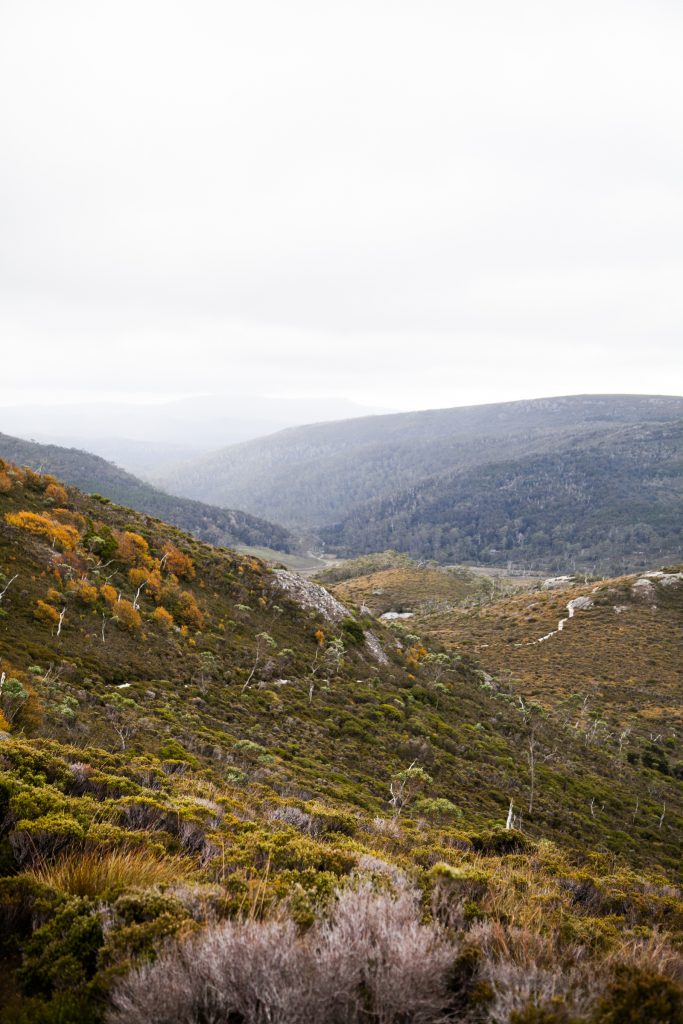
(390, 205)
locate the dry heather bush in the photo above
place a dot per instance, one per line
(372, 960)
(96, 872)
(290, 815)
(524, 968)
(653, 954)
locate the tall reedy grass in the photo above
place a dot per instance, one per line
(98, 872)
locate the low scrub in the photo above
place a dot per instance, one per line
(372, 959)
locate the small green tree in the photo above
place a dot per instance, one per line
(406, 785)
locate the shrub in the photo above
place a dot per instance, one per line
(46, 613)
(127, 616)
(501, 841)
(110, 594)
(25, 905)
(371, 960)
(44, 837)
(636, 997)
(162, 617)
(437, 807)
(189, 611)
(353, 631)
(64, 537)
(132, 549)
(57, 493)
(178, 563)
(84, 592)
(70, 518)
(13, 699)
(63, 953)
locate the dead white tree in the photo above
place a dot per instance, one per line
(510, 823)
(8, 585)
(263, 642)
(661, 819)
(136, 599)
(531, 757)
(61, 620)
(623, 738)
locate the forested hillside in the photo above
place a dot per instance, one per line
(586, 480)
(224, 796)
(606, 503)
(97, 476)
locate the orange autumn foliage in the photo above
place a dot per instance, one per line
(127, 616)
(57, 493)
(83, 591)
(189, 611)
(133, 549)
(137, 576)
(109, 593)
(151, 580)
(46, 613)
(162, 617)
(175, 561)
(65, 515)
(66, 537)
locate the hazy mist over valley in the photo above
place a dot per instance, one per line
(341, 512)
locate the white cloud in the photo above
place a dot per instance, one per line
(408, 203)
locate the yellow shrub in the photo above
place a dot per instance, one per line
(65, 515)
(4, 724)
(84, 591)
(109, 593)
(137, 576)
(153, 588)
(57, 493)
(5, 482)
(189, 611)
(133, 549)
(162, 617)
(66, 537)
(176, 562)
(128, 616)
(46, 613)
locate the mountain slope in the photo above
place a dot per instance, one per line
(197, 749)
(614, 669)
(96, 476)
(356, 474)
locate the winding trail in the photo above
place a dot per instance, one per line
(577, 602)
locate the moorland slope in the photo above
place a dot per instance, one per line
(225, 796)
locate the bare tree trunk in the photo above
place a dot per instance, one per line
(532, 768)
(7, 586)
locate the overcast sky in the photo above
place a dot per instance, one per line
(407, 203)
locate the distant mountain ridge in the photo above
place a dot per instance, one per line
(95, 475)
(426, 482)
